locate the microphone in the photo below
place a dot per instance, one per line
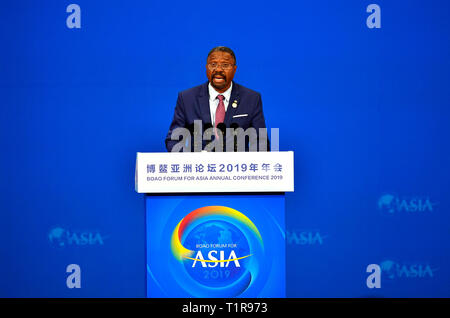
(190, 127)
(234, 126)
(205, 128)
(223, 128)
(190, 141)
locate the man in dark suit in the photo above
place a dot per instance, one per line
(218, 103)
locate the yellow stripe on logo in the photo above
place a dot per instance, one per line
(218, 261)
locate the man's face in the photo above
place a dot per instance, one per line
(220, 70)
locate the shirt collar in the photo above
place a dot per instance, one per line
(213, 93)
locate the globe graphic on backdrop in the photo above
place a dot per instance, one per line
(56, 236)
(205, 237)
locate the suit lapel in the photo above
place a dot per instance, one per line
(203, 102)
(230, 109)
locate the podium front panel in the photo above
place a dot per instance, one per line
(216, 246)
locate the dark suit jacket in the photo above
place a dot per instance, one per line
(193, 104)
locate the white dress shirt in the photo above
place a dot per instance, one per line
(214, 101)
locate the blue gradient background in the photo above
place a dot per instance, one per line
(365, 110)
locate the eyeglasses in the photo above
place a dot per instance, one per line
(226, 66)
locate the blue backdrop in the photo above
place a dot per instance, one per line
(365, 110)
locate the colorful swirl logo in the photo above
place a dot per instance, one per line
(218, 251)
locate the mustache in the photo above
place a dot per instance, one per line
(221, 74)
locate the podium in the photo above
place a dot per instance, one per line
(215, 223)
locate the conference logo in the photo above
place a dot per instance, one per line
(60, 238)
(305, 237)
(219, 250)
(398, 270)
(392, 204)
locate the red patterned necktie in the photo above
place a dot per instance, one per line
(220, 112)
